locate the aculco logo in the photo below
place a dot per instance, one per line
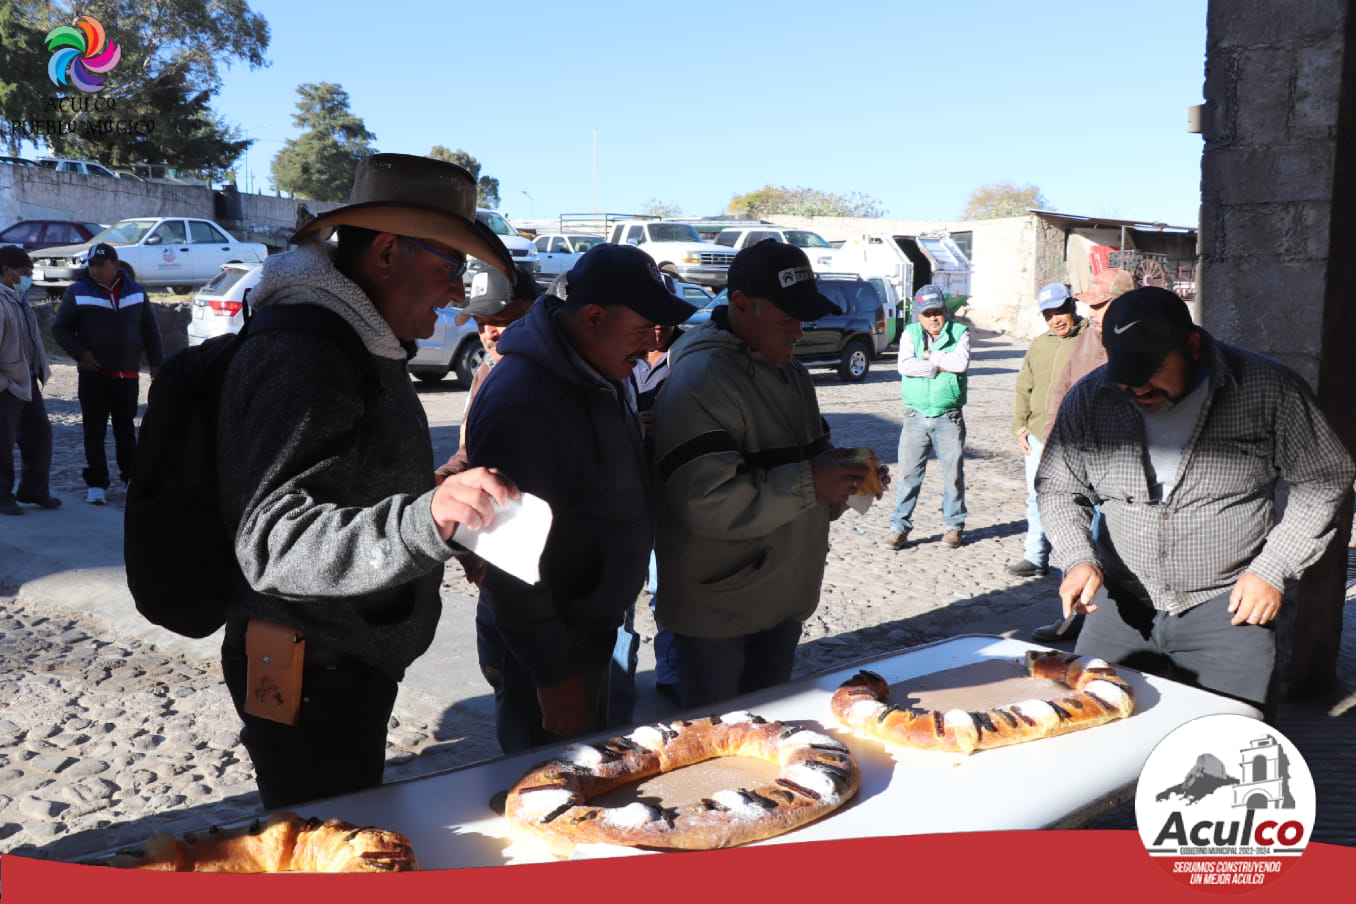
(1225, 801)
(792, 275)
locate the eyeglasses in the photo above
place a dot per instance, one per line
(458, 262)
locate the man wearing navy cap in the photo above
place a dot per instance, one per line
(554, 414)
(1182, 439)
(750, 481)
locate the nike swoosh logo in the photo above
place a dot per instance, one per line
(1122, 329)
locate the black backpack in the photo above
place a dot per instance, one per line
(179, 552)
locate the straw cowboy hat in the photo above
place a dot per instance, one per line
(418, 197)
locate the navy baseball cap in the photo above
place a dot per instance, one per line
(781, 273)
(609, 275)
(1139, 330)
(101, 253)
(929, 298)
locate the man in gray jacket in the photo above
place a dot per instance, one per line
(326, 472)
(749, 482)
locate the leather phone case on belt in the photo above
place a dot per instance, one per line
(275, 655)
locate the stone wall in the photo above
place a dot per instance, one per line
(1277, 272)
(37, 193)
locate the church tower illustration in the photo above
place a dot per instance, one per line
(1265, 780)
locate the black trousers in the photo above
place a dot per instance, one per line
(103, 397)
(25, 424)
(339, 742)
(517, 714)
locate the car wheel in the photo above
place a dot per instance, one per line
(855, 361)
(429, 376)
(469, 357)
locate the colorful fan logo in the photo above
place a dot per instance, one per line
(81, 54)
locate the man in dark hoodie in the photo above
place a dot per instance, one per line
(554, 414)
(105, 322)
(326, 473)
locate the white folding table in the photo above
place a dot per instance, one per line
(1055, 783)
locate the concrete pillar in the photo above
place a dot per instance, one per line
(1277, 272)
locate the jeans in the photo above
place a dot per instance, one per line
(714, 669)
(1199, 646)
(945, 436)
(103, 397)
(1037, 548)
(621, 693)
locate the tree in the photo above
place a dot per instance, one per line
(1003, 199)
(802, 202)
(167, 76)
(487, 187)
(319, 163)
(656, 208)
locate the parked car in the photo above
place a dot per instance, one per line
(18, 161)
(66, 165)
(32, 235)
(157, 251)
(451, 348)
(816, 249)
(221, 306)
(520, 246)
(848, 341)
(559, 251)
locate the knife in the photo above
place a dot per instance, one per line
(1074, 611)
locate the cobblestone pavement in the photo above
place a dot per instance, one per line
(104, 740)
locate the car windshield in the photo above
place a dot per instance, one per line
(125, 232)
(674, 232)
(222, 282)
(583, 243)
(806, 240)
(498, 225)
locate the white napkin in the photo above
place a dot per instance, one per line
(861, 502)
(514, 540)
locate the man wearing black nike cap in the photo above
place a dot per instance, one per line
(749, 482)
(1182, 439)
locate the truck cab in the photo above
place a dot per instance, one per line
(677, 249)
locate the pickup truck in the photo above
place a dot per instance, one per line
(816, 249)
(677, 249)
(559, 251)
(157, 252)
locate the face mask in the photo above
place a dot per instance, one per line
(23, 285)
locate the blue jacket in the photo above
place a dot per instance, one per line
(87, 320)
(563, 432)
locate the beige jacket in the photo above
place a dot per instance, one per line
(15, 373)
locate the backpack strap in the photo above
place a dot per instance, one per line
(317, 321)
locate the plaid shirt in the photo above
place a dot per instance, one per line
(1259, 422)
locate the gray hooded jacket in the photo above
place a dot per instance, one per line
(328, 474)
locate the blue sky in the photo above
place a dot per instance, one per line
(914, 104)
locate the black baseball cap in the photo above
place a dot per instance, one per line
(101, 253)
(610, 275)
(780, 273)
(1139, 330)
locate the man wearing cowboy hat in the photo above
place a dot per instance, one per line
(326, 474)
(554, 414)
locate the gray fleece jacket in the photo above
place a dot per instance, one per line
(327, 477)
